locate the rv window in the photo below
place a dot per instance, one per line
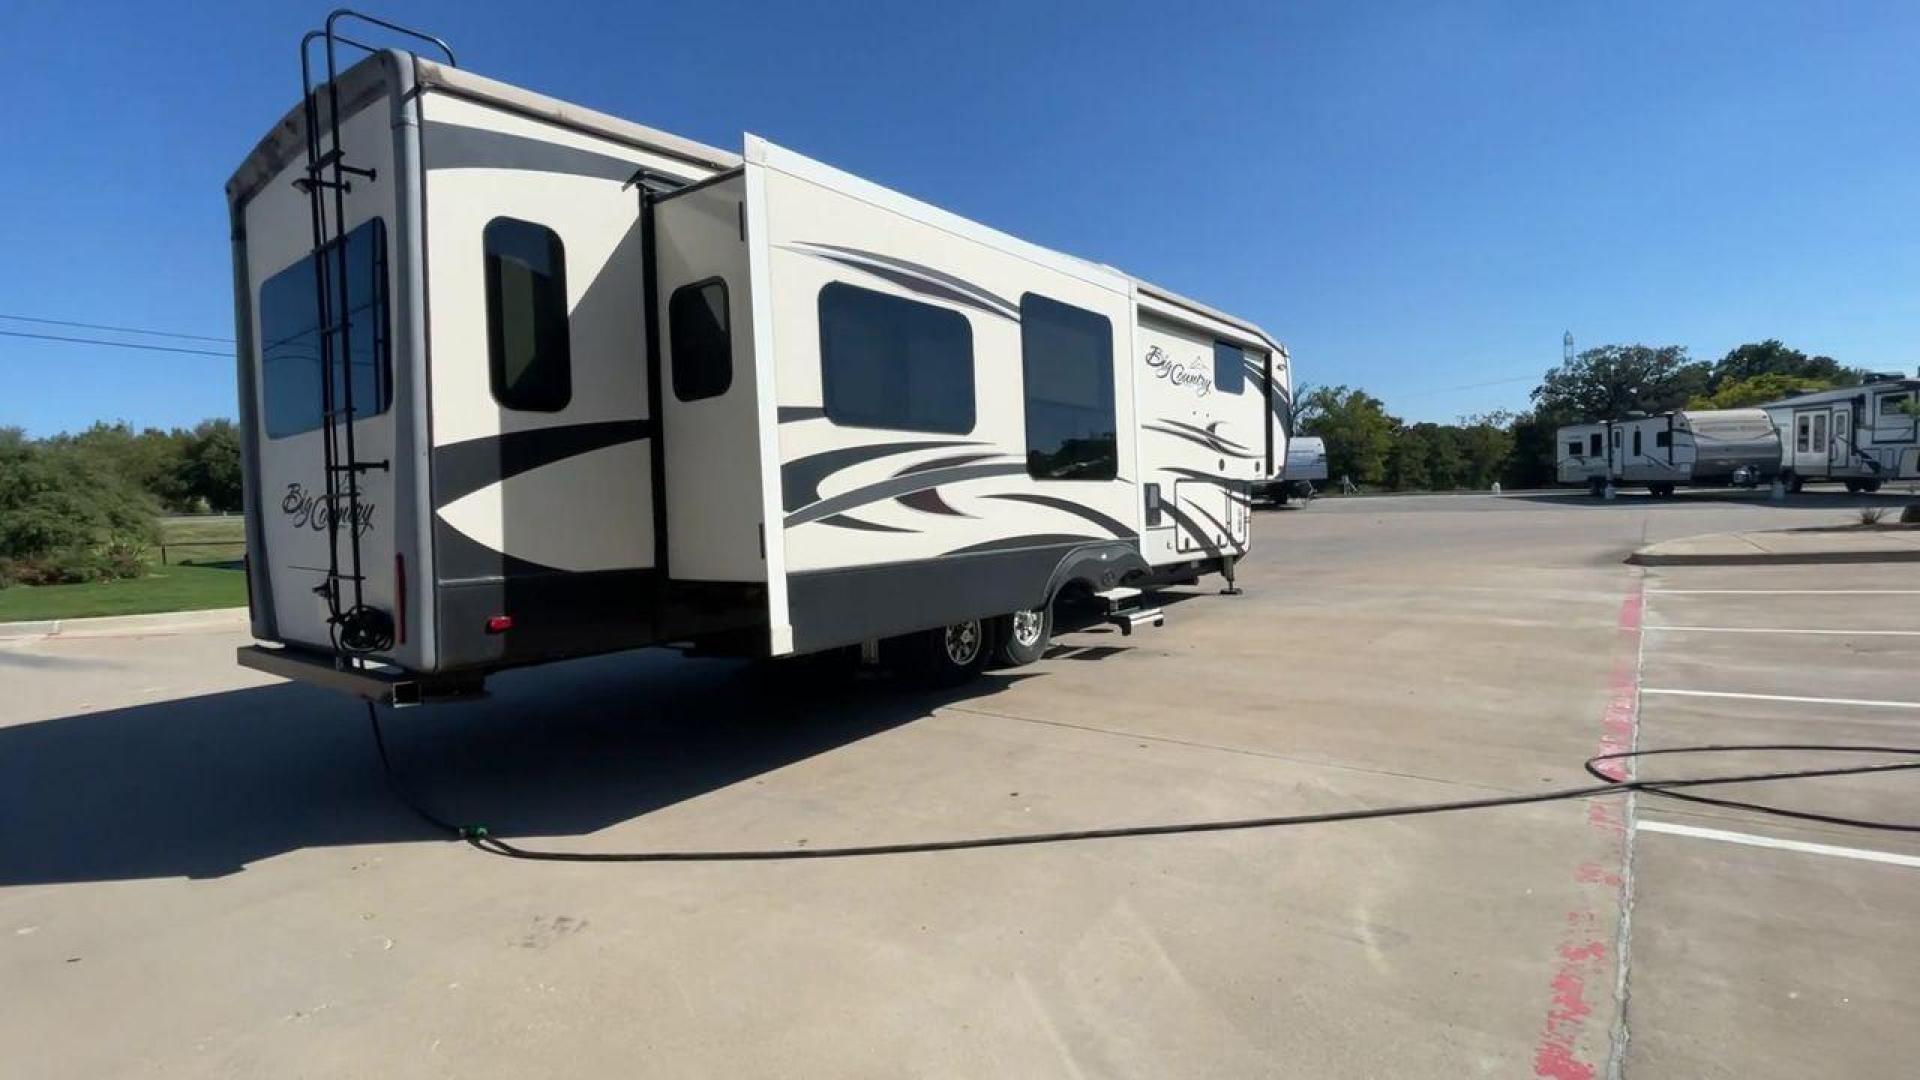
(1229, 368)
(1593, 441)
(290, 337)
(1636, 442)
(889, 362)
(1573, 449)
(702, 341)
(1066, 361)
(528, 348)
(1895, 405)
(1663, 438)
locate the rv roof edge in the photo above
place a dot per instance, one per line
(465, 83)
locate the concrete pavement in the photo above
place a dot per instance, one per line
(201, 872)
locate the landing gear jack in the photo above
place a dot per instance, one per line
(1226, 571)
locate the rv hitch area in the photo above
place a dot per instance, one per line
(166, 814)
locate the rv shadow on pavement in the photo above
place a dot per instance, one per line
(200, 787)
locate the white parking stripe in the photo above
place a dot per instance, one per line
(1751, 840)
(1783, 592)
(1868, 702)
(1784, 630)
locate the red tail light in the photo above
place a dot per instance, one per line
(499, 624)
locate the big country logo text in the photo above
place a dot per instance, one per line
(314, 511)
(1166, 367)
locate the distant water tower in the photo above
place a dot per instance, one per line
(1566, 347)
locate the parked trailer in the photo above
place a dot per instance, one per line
(520, 381)
(1858, 435)
(1688, 448)
(1306, 462)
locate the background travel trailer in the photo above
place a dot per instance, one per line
(1859, 435)
(1305, 465)
(611, 388)
(1713, 447)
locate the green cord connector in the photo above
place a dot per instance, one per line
(473, 832)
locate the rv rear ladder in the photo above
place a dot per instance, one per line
(356, 628)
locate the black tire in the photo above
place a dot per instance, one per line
(946, 655)
(1664, 491)
(1795, 483)
(1596, 487)
(1023, 636)
(1853, 487)
(1869, 486)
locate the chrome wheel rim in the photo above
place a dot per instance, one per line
(1026, 627)
(963, 642)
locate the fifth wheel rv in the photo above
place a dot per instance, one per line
(1690, 448)
(522, 381)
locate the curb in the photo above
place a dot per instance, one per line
(1759, 558)
(163, 622)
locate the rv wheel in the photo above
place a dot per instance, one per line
(948, 655)
(1853, 487)
(1869, 486)
(1795, 482)
(1024, 636)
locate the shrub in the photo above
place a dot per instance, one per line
(1871, 515)
(63, 517)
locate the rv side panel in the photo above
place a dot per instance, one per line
(544, 436)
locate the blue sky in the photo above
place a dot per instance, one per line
(1416, 198)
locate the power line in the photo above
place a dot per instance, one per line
(114, 344)
(115, 329)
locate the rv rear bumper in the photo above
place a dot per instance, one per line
(384, 685)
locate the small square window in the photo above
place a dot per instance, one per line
(701, 338)
(1229, 368)
(529, 345)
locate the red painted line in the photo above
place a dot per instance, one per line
(1584, 955)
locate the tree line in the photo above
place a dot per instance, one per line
(1376, 449)
(86, 506)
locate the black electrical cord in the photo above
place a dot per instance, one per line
(481, 838)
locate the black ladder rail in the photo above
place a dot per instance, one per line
(357, 630)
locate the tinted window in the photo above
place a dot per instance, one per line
(1594, 442)
(1663, 438)
(1066, 361)
(1894, 404)
(290, 336)
(527, 342)
(1573, 449)
(1229, 368)
(888, 362)
(1636, 440)
(701, 339)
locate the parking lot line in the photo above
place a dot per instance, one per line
(1867, 702)
(1754, 840)
(1785, 630)
(1783, 592)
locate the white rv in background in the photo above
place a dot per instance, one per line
(1858, 435)
(1688, 448)
(521, 381)
(1306, 462)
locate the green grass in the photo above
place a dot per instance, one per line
(165, 588)
(202, 540)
